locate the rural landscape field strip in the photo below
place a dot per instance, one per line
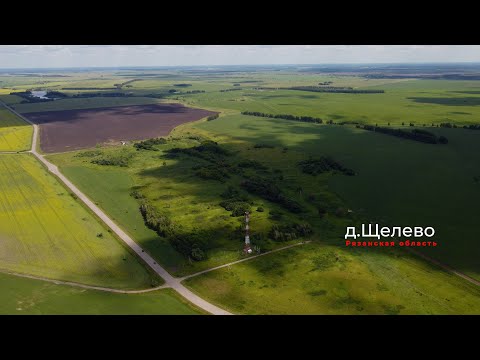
(243, 260)
(169, 280)
(84, 286)
(445, 267)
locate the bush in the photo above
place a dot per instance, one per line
(156, 220)
(120, 158)
(269, 191)
(275, 215)
(191, 245)
(212, 117)
(323, 164)
(238, 208)
(260, 209)
(443, 140)
(211, 172)
(148, 144)
(290, 231)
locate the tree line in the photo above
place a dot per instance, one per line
(285, 117)
(454, 126)
(333, 89)
(415, 134)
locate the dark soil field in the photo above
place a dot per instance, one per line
(80, 129)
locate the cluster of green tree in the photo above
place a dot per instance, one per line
(149, 144)
(291, 231)
(89, 88)
(191, 92)
(348, 122)
(236, 84)
(235, 202)
(269, 191)
(472, 127)
(212, 172)
(454, 126)
(252, 164)
(207, 150)
(263, 146)
(336, 90)
(285, 117)
(212, 117)
(119, 86)
(156, 220)
(103, 94)
(182, 85)
(227, 90)
(322, 165)
(28, 97)
(415, 134)
(325, 83)
(55, 94)
(191, 245)
(121, 158)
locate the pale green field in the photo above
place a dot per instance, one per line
(21, 296)
(45, 232)
(15, 133)
(322, 279)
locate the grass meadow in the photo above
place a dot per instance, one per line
(33, 297)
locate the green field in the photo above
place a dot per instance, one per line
(398, 182)
(404, 101)
(46, 232)
(316, 279)
(34, 297)
(15, 133)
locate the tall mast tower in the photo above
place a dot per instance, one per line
(247, 248)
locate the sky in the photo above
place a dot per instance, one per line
(45, 56)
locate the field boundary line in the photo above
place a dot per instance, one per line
(242, 260)
(445, 267)
(83, 286)
(170, 280)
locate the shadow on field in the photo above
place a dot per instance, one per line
(399, 182)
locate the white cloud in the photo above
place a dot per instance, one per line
(159, 55)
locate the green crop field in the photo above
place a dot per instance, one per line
(316, 279)
(46, 232)
(15, 133)
(34, 297)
